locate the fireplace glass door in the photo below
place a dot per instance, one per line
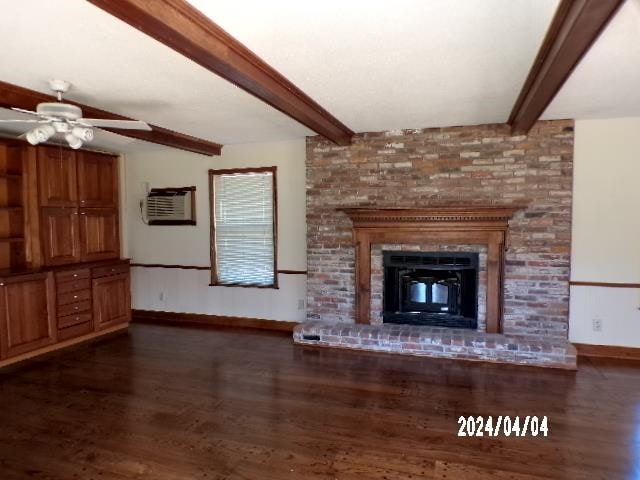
(431, 288)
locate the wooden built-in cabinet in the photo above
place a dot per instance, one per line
(26, 313)
(111, 300)
(60, 235)
(61, 276)
(97, 180)
(57, 178)
(79, 206)
(99, 238)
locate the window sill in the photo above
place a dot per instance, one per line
(242, 285)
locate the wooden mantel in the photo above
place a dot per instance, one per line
(456, 225)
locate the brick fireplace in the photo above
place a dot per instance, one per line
(451, 225)
(471, 167)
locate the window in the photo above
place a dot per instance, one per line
(243, 227)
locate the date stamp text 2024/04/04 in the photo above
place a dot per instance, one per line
(508, 426)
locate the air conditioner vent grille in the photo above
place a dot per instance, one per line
(171, 206)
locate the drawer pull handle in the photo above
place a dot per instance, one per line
(113, 269)
(77, 318)
(1, 284)
(76, 308)
(75, 275)
(75, 296)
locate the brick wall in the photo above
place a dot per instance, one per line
(449, 166)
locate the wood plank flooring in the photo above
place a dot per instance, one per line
(178, 403)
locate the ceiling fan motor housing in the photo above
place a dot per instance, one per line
(59, 110)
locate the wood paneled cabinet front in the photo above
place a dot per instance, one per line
(99, 237)
(78, 206)
(27, 313)
(111, 300)
(57, 177)
(97, 180)
(60, 236)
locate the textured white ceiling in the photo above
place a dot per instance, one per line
(117, 68)
(380, 65)
(606, 83)
(375, 65)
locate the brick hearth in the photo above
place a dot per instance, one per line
(439, 342)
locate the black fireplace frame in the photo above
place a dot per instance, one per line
(452, 275)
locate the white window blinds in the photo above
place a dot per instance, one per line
(244, 228)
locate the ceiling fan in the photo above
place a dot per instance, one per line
(66, 119)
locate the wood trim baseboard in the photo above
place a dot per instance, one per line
(154, 316)
(607, 351)
(196, 267)
(66, 343)
(603, 284)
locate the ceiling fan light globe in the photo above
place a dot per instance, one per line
(32, 137)
(84, 134)
(73, 141)
(40, 134)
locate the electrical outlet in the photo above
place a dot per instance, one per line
(301, 304)
(597, 325)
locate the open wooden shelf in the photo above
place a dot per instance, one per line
(12, 207)
(11, 239)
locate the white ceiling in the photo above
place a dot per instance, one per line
(378, 66)
(117, 68)
(384, 65)
(606, 83)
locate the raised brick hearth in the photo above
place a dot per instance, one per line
(439, 342)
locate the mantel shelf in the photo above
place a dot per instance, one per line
(364, 216)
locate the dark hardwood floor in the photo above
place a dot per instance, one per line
(165, 402)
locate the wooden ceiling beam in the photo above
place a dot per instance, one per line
(186, 30)
(574, 28)
(20, 97)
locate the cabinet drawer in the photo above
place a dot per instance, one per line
(71, 320)
(110, 270)
(65, 287)
(70, 275)
(75, 331)
(74, 297)
(71, 308)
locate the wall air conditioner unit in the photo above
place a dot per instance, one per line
(171, 206)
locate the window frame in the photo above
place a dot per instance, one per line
(212, 228)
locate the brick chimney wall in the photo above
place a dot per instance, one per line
(478, 165)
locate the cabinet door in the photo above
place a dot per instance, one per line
(60, 236)
(99, 236)
(97, 180)
(111, 301)
(27, 314)
(57, 181)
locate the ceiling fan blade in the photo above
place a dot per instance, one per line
(22, 110)
(124, 124)
(20, 121)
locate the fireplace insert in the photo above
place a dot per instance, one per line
(431, 288)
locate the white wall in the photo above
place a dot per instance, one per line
(178, 290)
(606, 231)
